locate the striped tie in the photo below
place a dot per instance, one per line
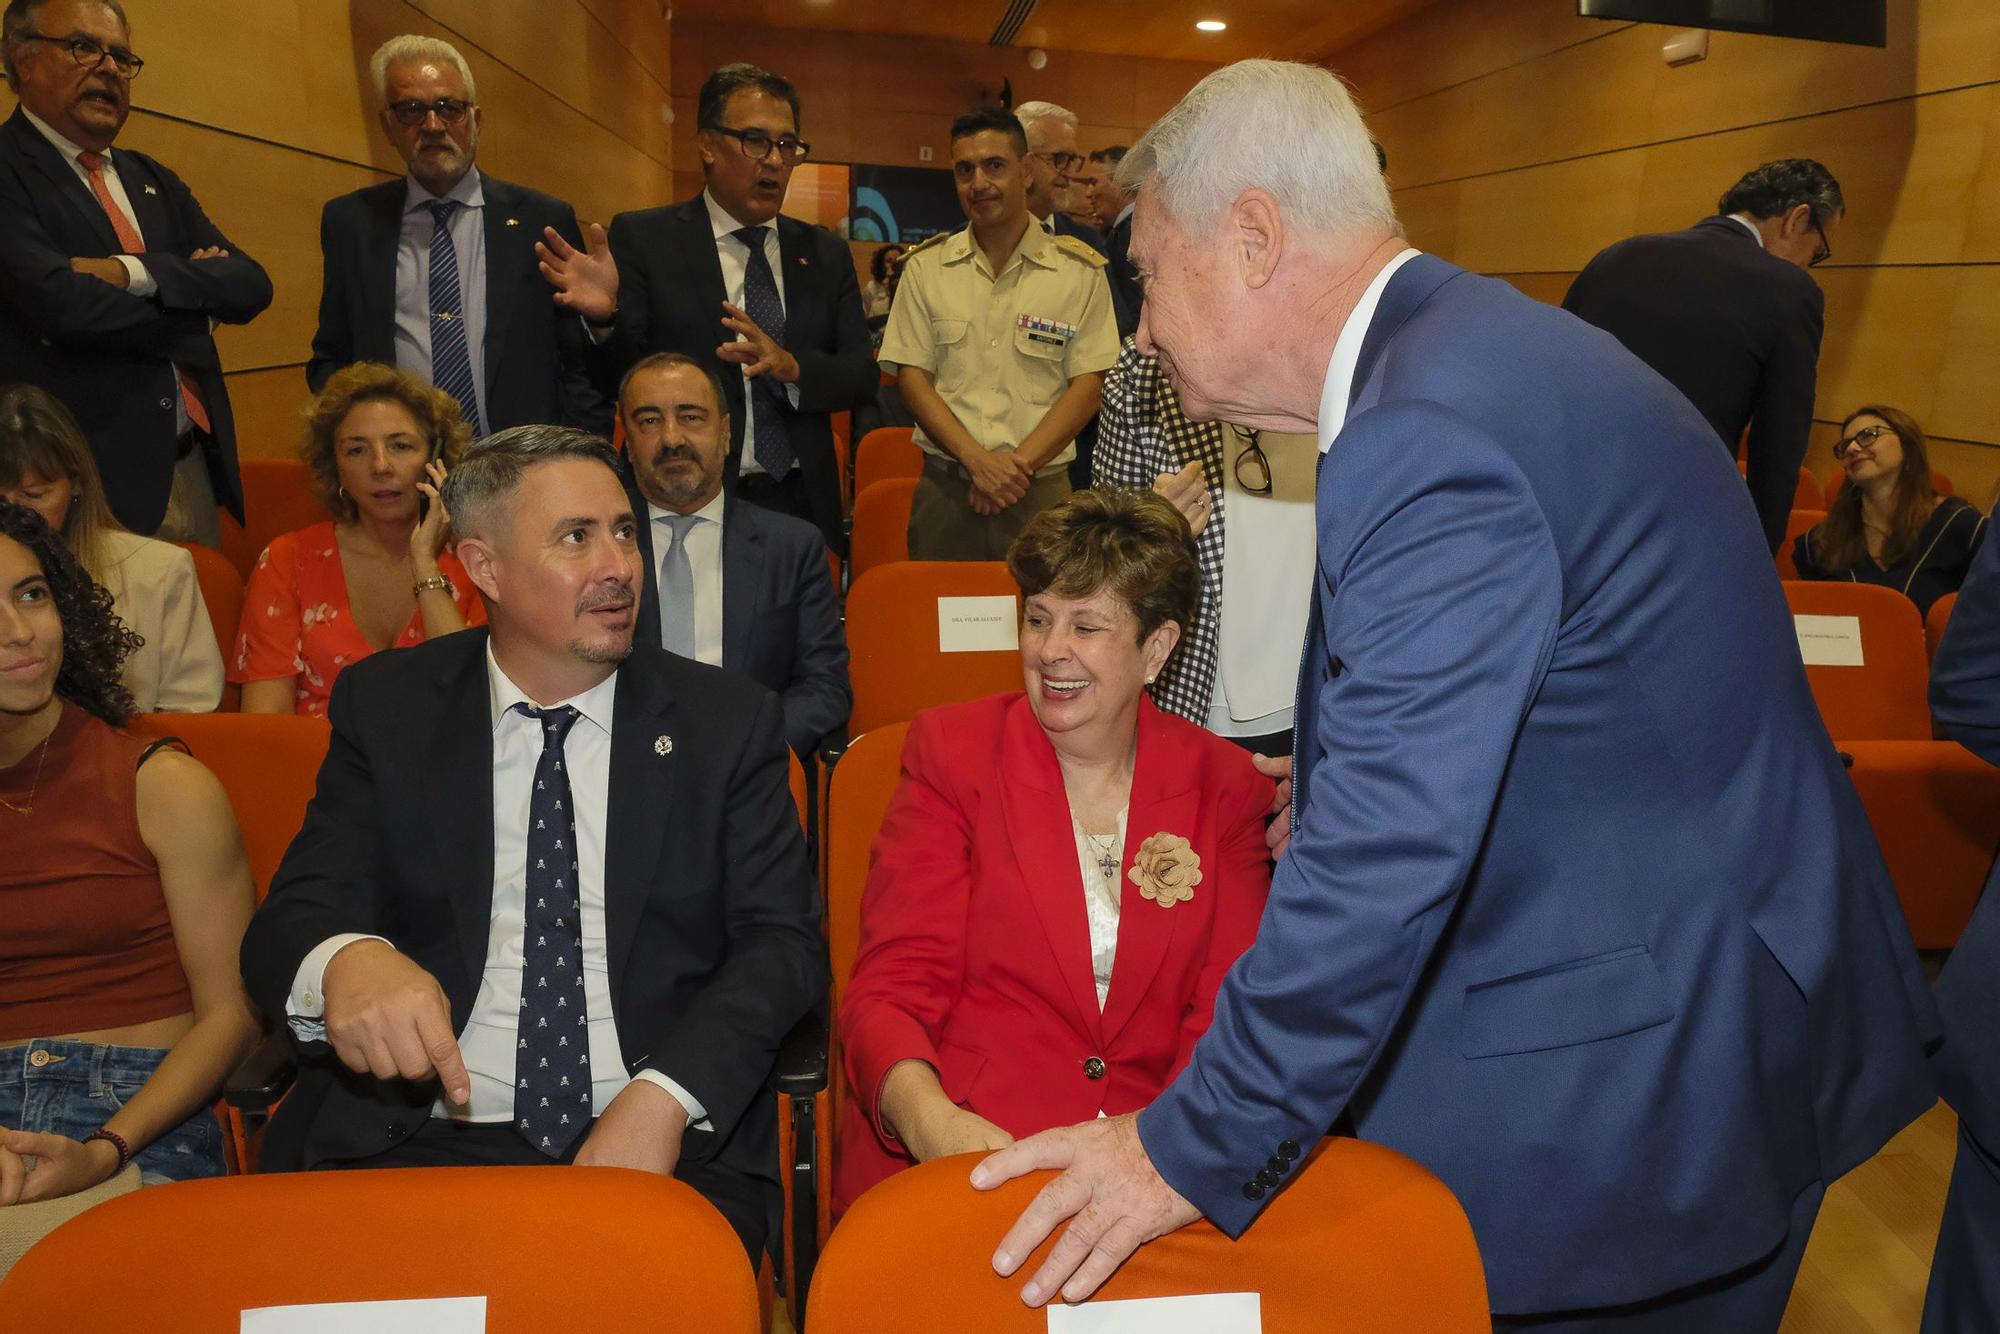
(451, 359)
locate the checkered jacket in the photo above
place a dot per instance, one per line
(1141, 434)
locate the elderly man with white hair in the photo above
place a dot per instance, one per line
(1579, 909)
(1053, 161)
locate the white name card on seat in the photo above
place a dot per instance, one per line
(1204, 1313)
(978, 625)
(433, 1315)
(1829, 641)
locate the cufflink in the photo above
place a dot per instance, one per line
(512, 222)
(663, 745)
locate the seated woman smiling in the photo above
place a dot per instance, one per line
(1064, 874)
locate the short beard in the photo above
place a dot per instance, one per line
(659, 487)
(597, 656)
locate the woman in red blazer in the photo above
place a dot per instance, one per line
(1064, 875)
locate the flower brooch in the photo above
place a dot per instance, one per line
(1165, 869)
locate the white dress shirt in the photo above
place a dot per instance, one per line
(467, 226)
(1749, 224)
(735, 258)
(1347, 352)
(488, 1041)
(1266, 595)
(704, 550)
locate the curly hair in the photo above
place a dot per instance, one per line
(1131, 544)
(435, 411)
(95, 643)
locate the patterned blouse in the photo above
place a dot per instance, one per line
(297, 622)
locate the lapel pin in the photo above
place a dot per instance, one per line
(803, 261)
(663, 746)
(151, 190)
(513, 222)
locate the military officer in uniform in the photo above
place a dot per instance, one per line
(1000, 337)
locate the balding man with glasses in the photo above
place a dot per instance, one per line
(111, 276)
(437, 272)
(767, 302)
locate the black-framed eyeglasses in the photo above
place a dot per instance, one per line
(1865, 437)
(1825, 251)
(1064, 163)
(90, 53)
(415, 111)
(1253, 462)
(757, 145)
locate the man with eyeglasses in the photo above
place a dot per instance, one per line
(1726, 311)
(769, 303)
(437, 272)
(112, 277)
(1052, 165)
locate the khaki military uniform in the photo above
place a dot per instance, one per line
(1001, 349)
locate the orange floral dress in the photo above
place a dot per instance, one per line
(297, 623)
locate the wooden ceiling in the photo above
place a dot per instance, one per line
(1162, 29)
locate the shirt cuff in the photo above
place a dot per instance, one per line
(598, 334)
(138, 278)
(697, 1114)
(792, 394)
(305, 1007)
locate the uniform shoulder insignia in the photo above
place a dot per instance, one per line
(1078, 248)
(926, 244)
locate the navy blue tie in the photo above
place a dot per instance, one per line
(451, 357)
(552, 1058)
(762, 304)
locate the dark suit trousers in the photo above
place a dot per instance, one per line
(1964, 1296)
(1750, 1300)
(444, 1143)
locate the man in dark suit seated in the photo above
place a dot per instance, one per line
(111, 276)
(767, 302)
(732, 585)
(1727, 313)
(550, 903)
(436, 273)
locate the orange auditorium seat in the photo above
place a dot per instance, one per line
(1808, 494)
(886, 452)
(894, 639)
(278, 498)
(1837, 479)
(1802, 521)
(610, 1249)
(222, 595)
(1935, 810)
(1883, 699)
(1935, 622)
(1362, 1239)
(881, 534)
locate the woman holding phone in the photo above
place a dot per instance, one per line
(378, 442)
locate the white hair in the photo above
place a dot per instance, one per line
(410, 48)
(1031, 114)
(1274, 125)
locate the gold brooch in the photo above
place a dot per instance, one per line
(1165, 869)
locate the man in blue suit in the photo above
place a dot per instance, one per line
(1579, 909)
(1965, 700)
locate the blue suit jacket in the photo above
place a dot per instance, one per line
(1582, 912)
(1965, 700)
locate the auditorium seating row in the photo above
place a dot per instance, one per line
(1816, 493)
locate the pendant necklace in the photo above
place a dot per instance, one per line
(41, 755)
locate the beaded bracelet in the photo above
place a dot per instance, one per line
(116, 1141)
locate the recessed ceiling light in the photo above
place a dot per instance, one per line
(1211, 25)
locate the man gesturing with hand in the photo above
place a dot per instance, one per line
(550, 903)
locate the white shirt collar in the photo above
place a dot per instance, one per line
(69, 150)
(723, 224)
(594, 703)
(1347, 351)
(1750, 226)
(712, 511)
(468, 192)
(1125, 212)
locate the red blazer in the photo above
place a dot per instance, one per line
(975, 946)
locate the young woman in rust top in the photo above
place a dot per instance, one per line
(124, 894)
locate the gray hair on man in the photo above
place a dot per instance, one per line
(411, 48)
(1032, 114)
(488, 472)
(1273, 125)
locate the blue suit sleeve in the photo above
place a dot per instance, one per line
(1441, 595)
(1965, 679)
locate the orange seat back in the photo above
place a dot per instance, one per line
(1806, 496)
(1935, 621)
(1802, 521)
(192, 1256)
(893, 640)
(268, 763)
(1837, 479)
(221, 593)
(881, 533)
(857, 798)
(1361, 1239)
(1885, 698)
(277, 498)
(886, 452)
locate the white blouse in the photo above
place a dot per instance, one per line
(1101, 897)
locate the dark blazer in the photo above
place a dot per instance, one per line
(710, 906)
(1734, 328)
(781, 622)
(670, 300)
(109, 355)
(1126, 297)
(536, 367)
(1626, 1015)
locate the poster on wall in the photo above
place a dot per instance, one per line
(903, 204)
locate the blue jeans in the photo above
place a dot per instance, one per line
(72, 1088)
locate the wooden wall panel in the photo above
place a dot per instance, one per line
(1453, 42)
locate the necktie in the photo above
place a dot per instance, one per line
(552, 1058)
(451, 358)
(677, 588)
(762, 305)
(135, 244)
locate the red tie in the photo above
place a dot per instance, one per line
(135, 244)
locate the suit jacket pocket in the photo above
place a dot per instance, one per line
(1583, 1000)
